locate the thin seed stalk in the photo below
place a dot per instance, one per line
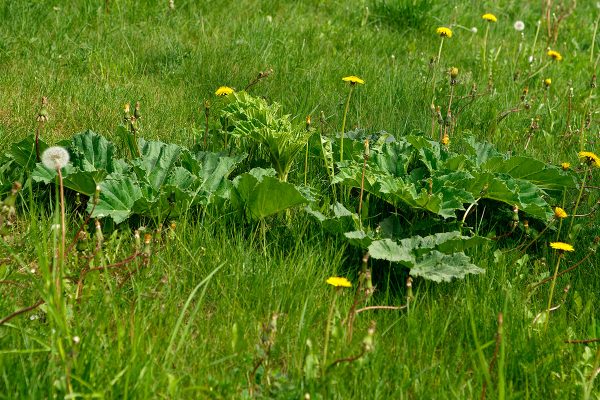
(63, 229)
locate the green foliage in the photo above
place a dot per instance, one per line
(258, 194)
(256, 120)
(421, 174)
(164, 180)
(438, 257)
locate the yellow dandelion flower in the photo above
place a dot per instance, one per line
(224, 91)
(565, 166)
(353, 80)
(446, 139)
(560, 213)
(339, 282)
(555, 55)
(560, 246)
(547, 82)
(489, 17)
(444, 32)
(590, 158)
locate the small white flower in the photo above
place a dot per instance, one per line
(474, 29)
(519, 25)
(55, 157)
(76, 339)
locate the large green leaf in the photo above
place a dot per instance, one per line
(259, 194)
(215, 169)
(117, 197)
(156, 161)
(84, 182)
(92, 152)
(436, 257)
(439, 267)
(387, 249)
(537, 172)
(338, 219)
(24, 154)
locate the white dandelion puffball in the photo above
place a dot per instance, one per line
(474, 29)
(55, 157)
(519, 25)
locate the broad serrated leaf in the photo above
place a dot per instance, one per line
(84, 182)
(439, 267)
(360, 238)
(338, 219)
(92, 152)
(387, 249)
(117, 197)
(156, 161)
(537, 172)
(260, 195)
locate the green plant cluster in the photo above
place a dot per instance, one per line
(411, 175)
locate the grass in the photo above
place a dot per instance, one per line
(192, 323)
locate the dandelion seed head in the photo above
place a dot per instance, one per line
(474, 29)
(55, 157)
(519, 25)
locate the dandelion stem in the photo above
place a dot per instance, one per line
(538, 236)
(543, 67)
(306, 165)
(63, 229)
(560, 223)
(485, 37)
(435, 64)
(344, 122)
(594, 40)
(585, 174)
(560, 255)
(537, 32)
(328, 327)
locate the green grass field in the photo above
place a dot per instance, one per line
(224, 305)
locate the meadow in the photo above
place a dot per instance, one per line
(299, 199)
